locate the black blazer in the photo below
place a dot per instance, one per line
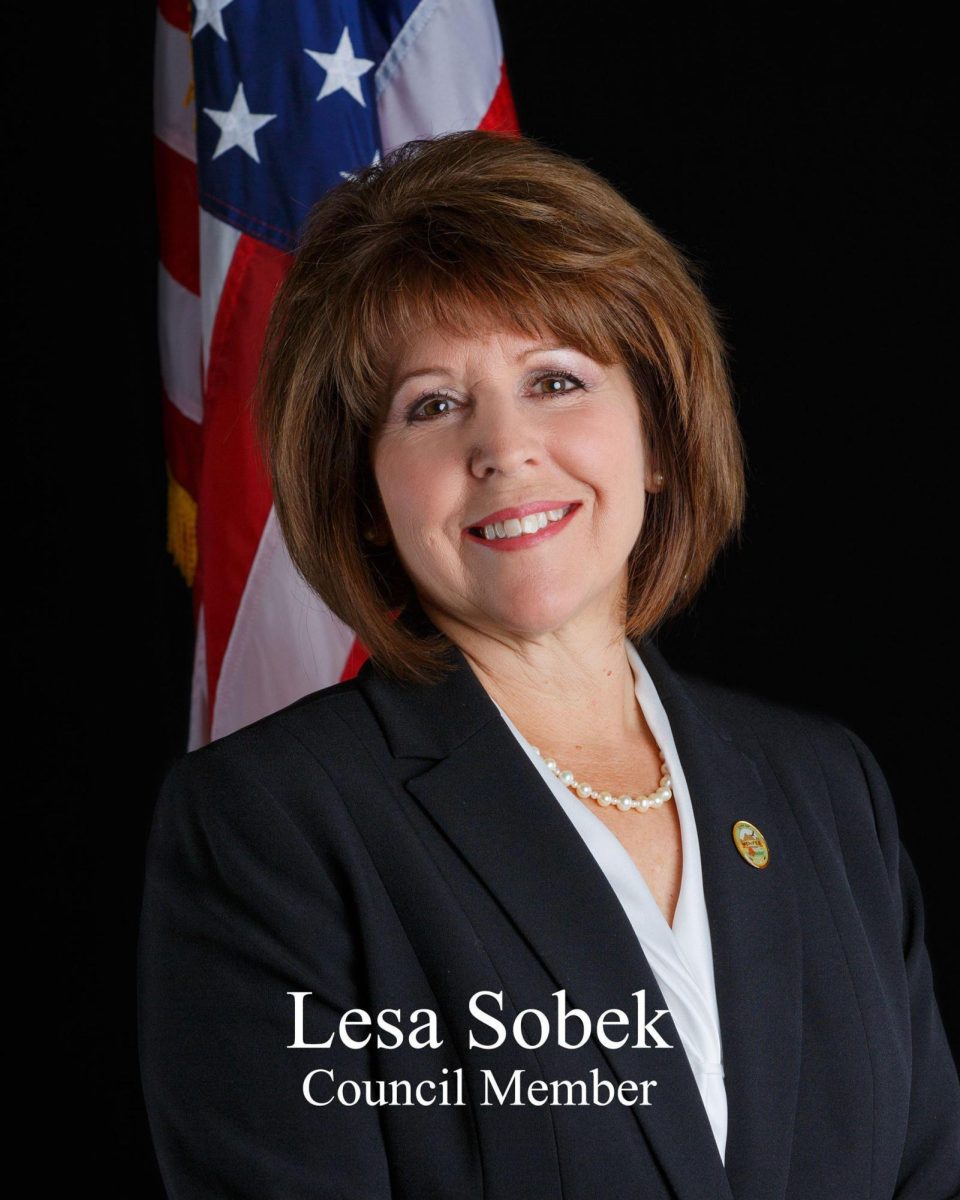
(383, 846)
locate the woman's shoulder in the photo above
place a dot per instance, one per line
(809, 751)
(743, 713)
(274, 732)
(280, 762)
(743, 708)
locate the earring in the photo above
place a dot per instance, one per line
(374, 536)
(658, 478)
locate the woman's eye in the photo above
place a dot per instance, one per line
(557, 383)
(431, 406)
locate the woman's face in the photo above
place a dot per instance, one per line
(512, 472)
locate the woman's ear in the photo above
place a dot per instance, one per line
(377, 535)
(372, 515)
(376, 528)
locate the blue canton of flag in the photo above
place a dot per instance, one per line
(286, 99)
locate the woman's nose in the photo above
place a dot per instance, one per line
(504, 438)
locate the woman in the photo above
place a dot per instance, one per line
(520, 912)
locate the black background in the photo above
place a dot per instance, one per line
(800, 162)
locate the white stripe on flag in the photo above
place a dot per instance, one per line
(284, 643)
(179, 329)
(218, 240)
(174, 112)
(199, 732)
(441, 72)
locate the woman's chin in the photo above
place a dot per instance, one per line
(540, 613)
(528, 608)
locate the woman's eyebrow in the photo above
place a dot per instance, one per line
(545, 347)
(398, 383)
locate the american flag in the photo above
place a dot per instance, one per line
(260, 106)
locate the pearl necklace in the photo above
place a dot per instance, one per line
(655, 799)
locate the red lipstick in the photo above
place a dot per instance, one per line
(523, 541)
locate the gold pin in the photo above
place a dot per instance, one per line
(751, 844)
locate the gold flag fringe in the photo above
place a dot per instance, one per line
(181, 527)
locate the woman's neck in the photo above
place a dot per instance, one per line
(574, 679)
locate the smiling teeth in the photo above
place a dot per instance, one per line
(529, 524)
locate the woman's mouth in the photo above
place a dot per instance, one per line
(520, 529)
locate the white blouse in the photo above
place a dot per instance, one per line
(680, 957)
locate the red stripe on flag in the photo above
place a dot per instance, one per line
(177, 12)
(501, 116)
(178, 215)
(183, 442)
(355, 659)
(235, 498)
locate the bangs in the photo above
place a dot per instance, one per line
(471, 289)
(483, 297)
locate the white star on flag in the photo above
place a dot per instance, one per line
(238, 126)
(354, 174)
(208, 13)
(343, 69)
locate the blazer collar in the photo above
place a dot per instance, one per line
(432, 721)
(428, 721)
(488, 799)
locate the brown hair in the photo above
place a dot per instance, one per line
(483, 229)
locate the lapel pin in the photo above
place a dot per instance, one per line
(751, 844)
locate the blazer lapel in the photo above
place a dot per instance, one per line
(755, 933)
(490, 802)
